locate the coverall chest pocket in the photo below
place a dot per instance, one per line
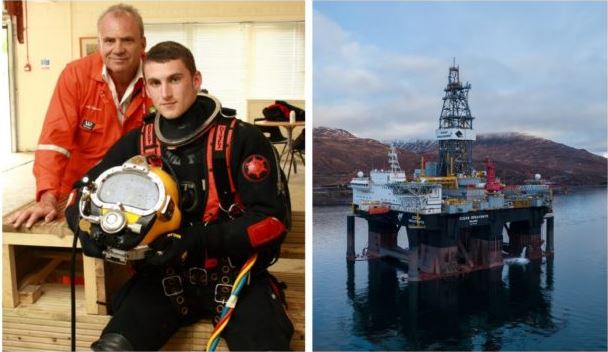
(90, 136)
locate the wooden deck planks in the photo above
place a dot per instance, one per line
(45, 324)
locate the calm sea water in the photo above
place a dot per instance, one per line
(555, 304)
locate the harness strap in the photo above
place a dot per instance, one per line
(218, 156)
(212, 203)
(221, 194)
(219, 280)
(226, 273)
(222, 190)
(278, 288)
(149, 145)
(173, 287)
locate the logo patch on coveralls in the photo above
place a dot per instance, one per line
(256, 168)
(87, 124)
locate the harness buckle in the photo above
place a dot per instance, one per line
(232, 266)
(233, 211)
(154, 159)
(222, 293)
(172, 285)
(197, 276)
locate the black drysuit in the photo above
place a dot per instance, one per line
(142, 312)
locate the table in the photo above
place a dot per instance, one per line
(289, 126)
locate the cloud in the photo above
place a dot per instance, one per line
(352, 82)
(333, 45)
(535, 69)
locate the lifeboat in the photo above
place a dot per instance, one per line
(377, 209)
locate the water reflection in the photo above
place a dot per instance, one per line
(478, 311)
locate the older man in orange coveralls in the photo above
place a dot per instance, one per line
(97, 100)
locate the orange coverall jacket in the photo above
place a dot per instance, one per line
(81, 124)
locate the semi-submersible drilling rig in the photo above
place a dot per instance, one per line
(454, 215)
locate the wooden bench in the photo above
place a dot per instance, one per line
(36, 313)
(52, 234)
(293, 246)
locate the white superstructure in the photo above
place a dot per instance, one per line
(391, 190)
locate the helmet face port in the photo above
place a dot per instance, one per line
(130, 188)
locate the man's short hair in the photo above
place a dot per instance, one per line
(168, 51)
(123, 9)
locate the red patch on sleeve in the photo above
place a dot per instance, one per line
(256, 168)
(265, 231)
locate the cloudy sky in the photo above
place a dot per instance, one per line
(534, 67)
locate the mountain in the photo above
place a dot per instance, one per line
(338, 155)
(419, 146)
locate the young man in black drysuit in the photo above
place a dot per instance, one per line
(234, 202)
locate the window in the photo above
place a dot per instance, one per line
(278, 61)
(241, 61)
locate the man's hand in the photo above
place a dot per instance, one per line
(45, 208)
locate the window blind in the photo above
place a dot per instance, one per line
(241, 61)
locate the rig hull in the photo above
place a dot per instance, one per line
(445, 244)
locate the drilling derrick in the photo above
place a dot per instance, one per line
(455, 133)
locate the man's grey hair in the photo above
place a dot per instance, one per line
(123, 9)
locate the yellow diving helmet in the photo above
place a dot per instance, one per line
(129, 206)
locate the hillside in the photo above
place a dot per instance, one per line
(338, 155)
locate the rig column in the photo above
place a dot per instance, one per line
(350, 279)
(381, 237)
(413, 302)
(549, 248)
(350, 237)
(412, 257)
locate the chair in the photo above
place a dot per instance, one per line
(299, 145)
(274, 135)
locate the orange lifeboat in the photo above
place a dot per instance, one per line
(377, 209)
